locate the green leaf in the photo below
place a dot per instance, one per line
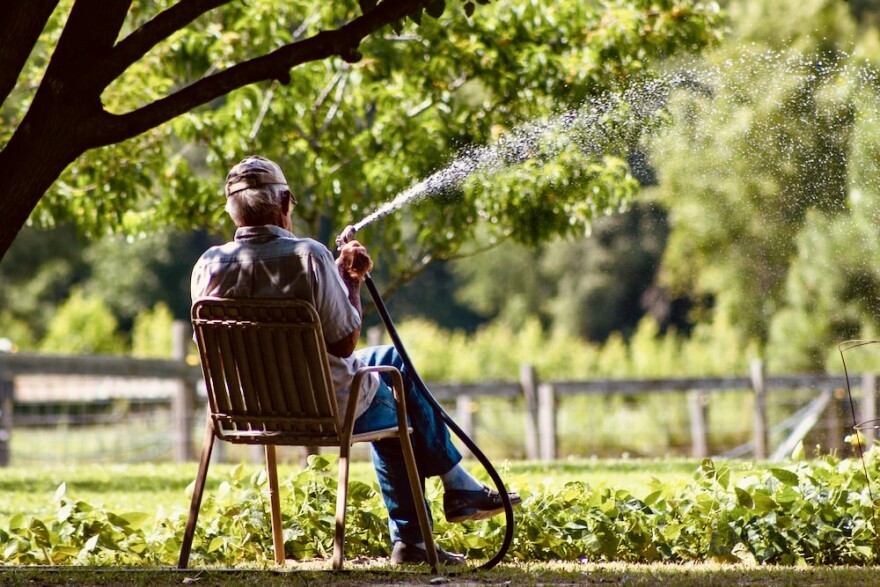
(136, 520)
(672, 532)
(12, 549)
(723, 476)
(61, 554)
(40, 532)
(18, 521)
(763, 502)
(60, 491)
(786, 476)
(652, 497)
(91, 543)
(743, 498)
(707, 466)
(320, 462)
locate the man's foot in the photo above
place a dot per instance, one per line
(460, 505)
(404, 553)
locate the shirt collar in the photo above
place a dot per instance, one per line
(244, 233)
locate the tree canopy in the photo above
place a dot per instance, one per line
(156, 100)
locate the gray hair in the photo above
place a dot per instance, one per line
(257, 206)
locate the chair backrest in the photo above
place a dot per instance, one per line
(266, 370)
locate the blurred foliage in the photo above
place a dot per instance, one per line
(151, 335)
(83, 324)
(351, 136)
(497, 351)
(765, 172)
(589, 287)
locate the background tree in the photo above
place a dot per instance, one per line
(832, 291)
(590, 287)
(745, 169)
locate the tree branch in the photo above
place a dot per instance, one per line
(87, 39)
(138, 43)
(264, 108)
(21, 22)
(342, 41)
(334, 108)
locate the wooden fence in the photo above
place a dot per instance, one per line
(541, 398)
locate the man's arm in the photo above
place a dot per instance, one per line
(353, 264)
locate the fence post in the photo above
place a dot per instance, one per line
(698, 407)
(869, 407)
(547, 421)
(7, 394)
(528, 380)
(760, 409)
(183, 403)
(833, 422)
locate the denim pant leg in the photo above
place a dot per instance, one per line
(434, 452)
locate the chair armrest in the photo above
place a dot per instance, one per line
(355, 391)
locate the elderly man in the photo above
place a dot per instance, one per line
(266, 260)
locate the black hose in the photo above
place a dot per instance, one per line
(450, 423)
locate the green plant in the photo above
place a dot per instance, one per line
(83, 324)
(807, 512)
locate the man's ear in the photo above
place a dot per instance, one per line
(285, 203)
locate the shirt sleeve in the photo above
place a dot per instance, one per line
(338, 317)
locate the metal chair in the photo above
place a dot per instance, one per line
(268, 381)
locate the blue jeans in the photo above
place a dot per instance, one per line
(434, 452)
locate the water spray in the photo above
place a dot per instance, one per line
(600, 125)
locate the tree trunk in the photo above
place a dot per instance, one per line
(39, 151)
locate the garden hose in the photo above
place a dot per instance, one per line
(450, 423)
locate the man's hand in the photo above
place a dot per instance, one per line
(354, 261)
(345, 236)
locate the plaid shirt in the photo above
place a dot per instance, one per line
(270, 262)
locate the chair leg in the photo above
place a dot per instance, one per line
(415, 484)
(412, 471)
(341, 502)
(275, 504)
(198, 490)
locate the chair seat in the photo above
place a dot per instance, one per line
(374, 435)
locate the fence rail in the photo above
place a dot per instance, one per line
(541, 398)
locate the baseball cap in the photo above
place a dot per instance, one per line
(253, 171)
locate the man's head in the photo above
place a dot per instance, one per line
(257, 193)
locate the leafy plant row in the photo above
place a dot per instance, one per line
(807, 512)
